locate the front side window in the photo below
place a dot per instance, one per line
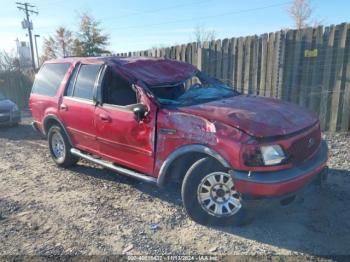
(49, 79)
(84, 85)
(116, 90)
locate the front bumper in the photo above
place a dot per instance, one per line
(284, 182)
(10, 118)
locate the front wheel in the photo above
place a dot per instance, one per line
(210, 196)
(60, 147)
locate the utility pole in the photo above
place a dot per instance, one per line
(26, 8)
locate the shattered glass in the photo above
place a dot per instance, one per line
(200, 89)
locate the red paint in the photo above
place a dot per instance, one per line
(257, 116)
(226, 126)
(276, 189)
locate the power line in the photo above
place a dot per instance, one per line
(27, 24)
(203, 17)
(151, 11)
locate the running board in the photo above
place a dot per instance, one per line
(113, 167)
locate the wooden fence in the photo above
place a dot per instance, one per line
(310, 67)
(16, 86)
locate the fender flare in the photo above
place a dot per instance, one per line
(55, 118)
(162, 177)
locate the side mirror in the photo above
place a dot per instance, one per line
(140, 112)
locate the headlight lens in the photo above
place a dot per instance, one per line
(254, 155)
(272, 155)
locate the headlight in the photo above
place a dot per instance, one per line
(254, 155)
(15, 108)
(272, 155)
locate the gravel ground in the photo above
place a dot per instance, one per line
(46, 210)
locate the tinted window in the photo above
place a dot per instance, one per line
(49, 79)
(84, 85)
(70, 87)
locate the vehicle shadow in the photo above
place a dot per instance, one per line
(316, 223)
(22, 131)
(169, 194)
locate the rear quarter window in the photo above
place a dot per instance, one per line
(49, 79)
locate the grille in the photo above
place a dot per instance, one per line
(304, 147)
(4, 111)
(4, 118)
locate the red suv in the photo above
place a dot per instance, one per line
(161, 120)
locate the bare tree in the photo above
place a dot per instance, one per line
(8, 61)
(201, 34)
(300, 11)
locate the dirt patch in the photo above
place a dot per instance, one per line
(46, 210)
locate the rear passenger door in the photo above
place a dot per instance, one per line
(77, 108)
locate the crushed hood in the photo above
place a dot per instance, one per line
(257, 116)
(153, 71)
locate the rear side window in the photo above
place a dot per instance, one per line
(84, 85)
(49, 79)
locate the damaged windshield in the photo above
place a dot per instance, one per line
(198, 89)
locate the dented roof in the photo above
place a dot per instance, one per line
(151, 71)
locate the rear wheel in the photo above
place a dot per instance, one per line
(60, 147)
(210, 196)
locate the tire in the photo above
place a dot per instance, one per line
(195, 185)
(60, 147)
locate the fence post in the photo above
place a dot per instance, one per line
(232, 62)
(280, 61)
(345, 120)
(269, 68)
(205, 56)
(263, 64)
(225, 61)
(315, 92)
(240, 64)
(218, 59)
(296, 67)
(255, 65)
(305, 76)
(339, 65)
(326, 82)
(247, 57)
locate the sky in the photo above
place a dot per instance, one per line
(142, 24)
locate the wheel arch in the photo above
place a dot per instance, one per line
(51, 120)
(182, 158)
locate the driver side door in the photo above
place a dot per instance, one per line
(121, 138)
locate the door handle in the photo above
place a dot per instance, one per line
(105, 118)
(64, 107)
